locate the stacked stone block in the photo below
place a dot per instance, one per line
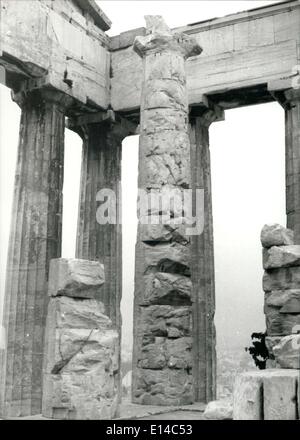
(81, 357)
(281, 283)
(162, 355)
(273, 394)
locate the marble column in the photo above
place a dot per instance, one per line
(162, 353)
(202, 267)
(292, 138)
(35, 238)
(101, 170)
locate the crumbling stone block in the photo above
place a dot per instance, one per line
(219, 410)
(81, 356)
(281, 256)
(287, 351)
(281, 298)
(276, 235)
(76, 278)
(161, 352)
(165, 288)
(165, 321)
(285, 278)
(271, 341)
(279, 323)
(164, 387)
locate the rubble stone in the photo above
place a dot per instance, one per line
(165, 321)
(287, 352)
(281, 279)
(165, 288)
(271, 341)
(163, 387)
(279, 298)
(219, 410)
(76, 278)
(276, 235)
(280, 323)
(281, 256)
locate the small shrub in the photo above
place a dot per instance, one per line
(258, 350)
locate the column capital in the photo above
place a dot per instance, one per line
(207, 111)
(159, 38)
(116, 124)
(43, 95)
(292, 95)
(285, 92)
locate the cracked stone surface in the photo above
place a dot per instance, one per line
(81, 357)
(281, 256)
(280, 323)
(266, 395)
(281, 283)
(282, 279)
(75, 277)
(162, 288)
(218, 410)
(287, 352)
(163, 387)
(276, 235)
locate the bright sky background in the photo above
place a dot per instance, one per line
(247, 152)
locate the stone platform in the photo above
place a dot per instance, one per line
(131, 411)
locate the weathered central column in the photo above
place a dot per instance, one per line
(162, 357)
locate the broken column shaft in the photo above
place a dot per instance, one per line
(162, 358)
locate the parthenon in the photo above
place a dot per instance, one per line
(62, 316)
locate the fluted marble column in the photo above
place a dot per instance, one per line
(101, 169)
(292, 137)
(35, 238)
(202, 271)
(162, 358)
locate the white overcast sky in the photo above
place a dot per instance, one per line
(247, 152)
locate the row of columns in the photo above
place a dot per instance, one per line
(36, 227)
(36, 234)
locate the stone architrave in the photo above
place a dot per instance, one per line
(162, 366)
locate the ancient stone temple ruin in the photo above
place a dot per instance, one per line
(62, 316)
